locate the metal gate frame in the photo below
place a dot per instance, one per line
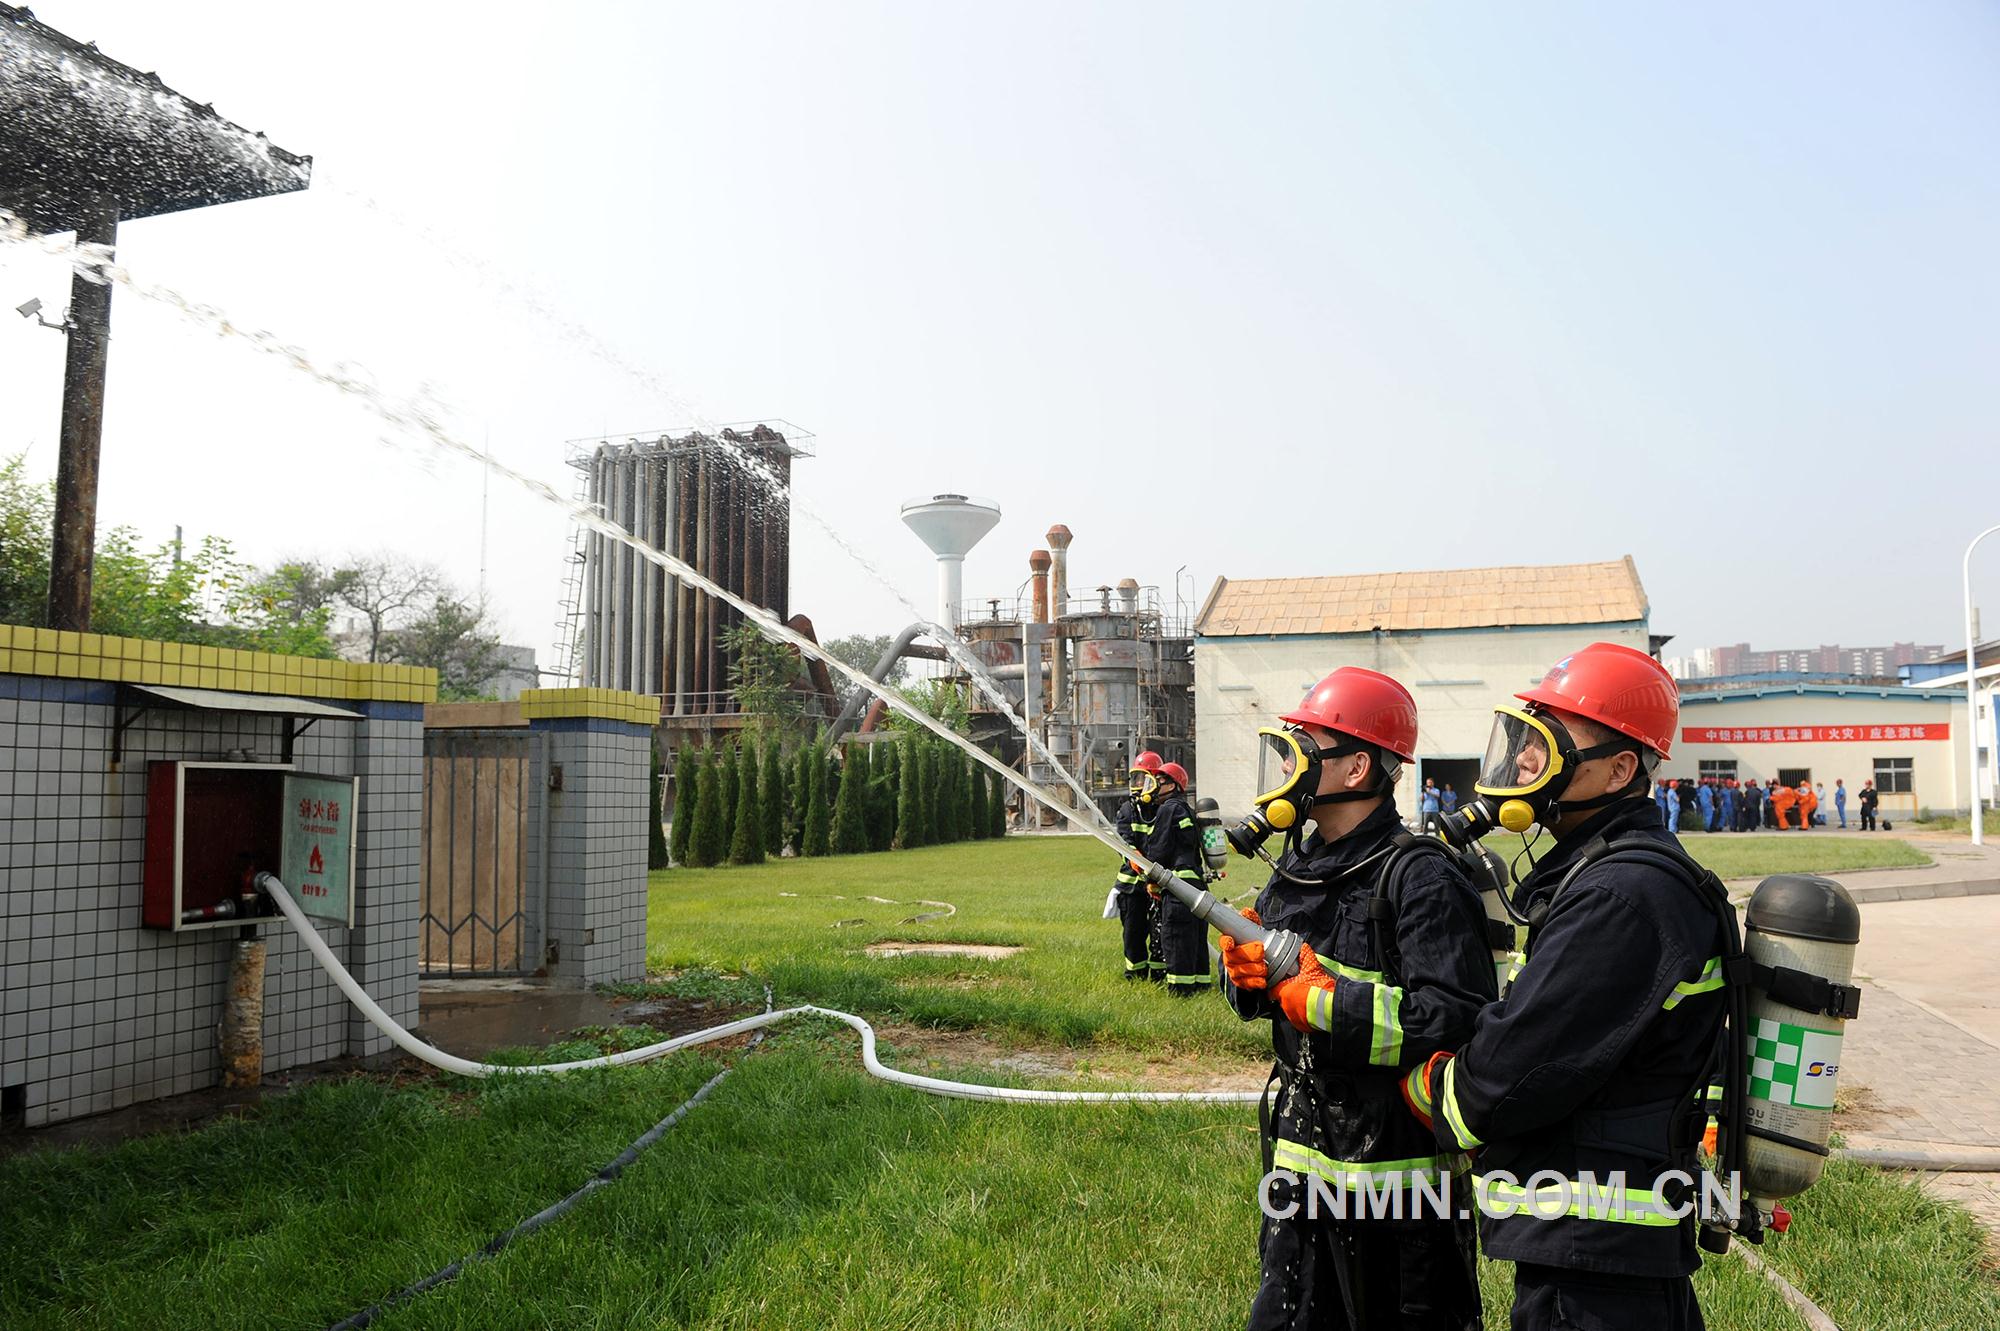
(481, 864)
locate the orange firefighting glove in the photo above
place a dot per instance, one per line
(1244, 962)
(1295, 995)
(1420, 1087)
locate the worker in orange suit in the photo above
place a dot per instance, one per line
(1808, 804)
(1782, 800)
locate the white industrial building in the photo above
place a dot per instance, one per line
(1909, 742)
(1461, 640)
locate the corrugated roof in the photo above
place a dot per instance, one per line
(1607, 593)
(1833, 690)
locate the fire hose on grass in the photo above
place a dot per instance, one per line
(958, 1090)
(1281, 948)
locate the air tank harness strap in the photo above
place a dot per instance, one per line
(1808, 993)
(1730, 1055)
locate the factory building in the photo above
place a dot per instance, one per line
(1101, 674)
(1910, 742)
(719, 503)
(1462, 640)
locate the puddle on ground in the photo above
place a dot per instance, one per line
(904, 948)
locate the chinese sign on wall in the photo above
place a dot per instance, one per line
(1811, 734)
(317, 855)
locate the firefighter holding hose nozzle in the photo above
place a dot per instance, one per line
(1175, 845)
(1596, 1059)
(1394, 968)
(1138, 903)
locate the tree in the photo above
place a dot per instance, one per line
(881, 796)
(761, 674)
(206, 596)
(771, 797)
(454, 638)
(819, 817)
(706, 844)
(801, 790)
(727, 802)
(937, 813)
(27, 516)
(863, 650)
(939, 699)
(908, 807)
(981, 816)
(972, 803)
(997, 809)
(386, 590)
(688, 767)
(850, 818)
(746, 844)
(947, 802)
(656, 837)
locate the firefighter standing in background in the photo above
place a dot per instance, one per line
(1594, 1058)
(1175, 844)
(1396, 965)
(1138, 904)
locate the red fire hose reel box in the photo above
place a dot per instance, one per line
(211, 827)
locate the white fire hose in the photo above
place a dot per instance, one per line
(958, 1090)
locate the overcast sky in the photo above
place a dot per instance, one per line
(1255, 290)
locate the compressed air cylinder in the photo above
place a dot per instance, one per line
(1214, 842)
(1809, 924)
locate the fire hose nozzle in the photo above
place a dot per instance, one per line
(1282, 947)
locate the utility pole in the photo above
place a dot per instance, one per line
(75, 534)
(1972, 735)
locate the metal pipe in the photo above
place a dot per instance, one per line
(1059, 539)
(883, 665)
(779, 559)
(82, 433)
(592, 575)
(686, 505)
(1038, 583)
(619, 666)
(704, 611)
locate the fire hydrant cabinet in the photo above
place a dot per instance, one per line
(211, 827)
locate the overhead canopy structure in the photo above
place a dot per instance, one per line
(87, 143)
(79, 130)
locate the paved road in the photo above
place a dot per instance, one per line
(1921, 1067)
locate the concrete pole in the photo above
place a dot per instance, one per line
(1972, 698)
(82, 434)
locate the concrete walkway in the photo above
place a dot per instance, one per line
(1921, 1066)
(1958, 869)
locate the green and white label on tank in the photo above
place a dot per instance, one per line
(1794, 1065)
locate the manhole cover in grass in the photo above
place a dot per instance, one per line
(900, 948)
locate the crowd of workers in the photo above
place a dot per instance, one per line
(1414, 1042)
(1721, 805)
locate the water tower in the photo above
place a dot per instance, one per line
(950, 525)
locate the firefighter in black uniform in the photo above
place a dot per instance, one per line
(1175, 844)
(1138, 906)
(1595, 1058)
(1395, 967)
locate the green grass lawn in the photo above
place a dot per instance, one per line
(1756, 854)
(802, 1193)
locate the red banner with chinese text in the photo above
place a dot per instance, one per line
(1812, 734)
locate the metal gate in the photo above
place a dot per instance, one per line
(480, 915)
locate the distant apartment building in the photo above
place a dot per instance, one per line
(1859, 662)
